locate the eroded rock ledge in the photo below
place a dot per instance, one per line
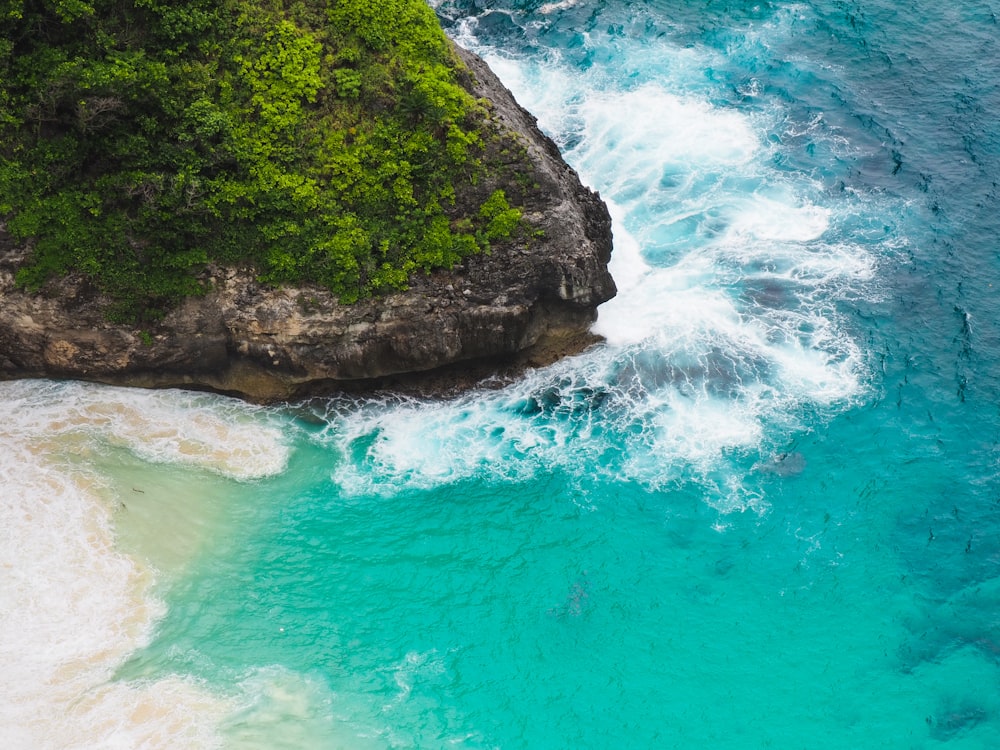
(523, 304)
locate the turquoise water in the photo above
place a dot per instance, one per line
(764, 514)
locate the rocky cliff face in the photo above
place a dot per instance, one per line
(526, 302)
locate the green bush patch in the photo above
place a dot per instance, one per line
(313, 141)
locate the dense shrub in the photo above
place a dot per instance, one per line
(321, 141)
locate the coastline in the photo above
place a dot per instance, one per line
(527, 302)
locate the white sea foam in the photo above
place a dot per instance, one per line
(201, 430)
(651, 127)
(554, 7)
(761, 218)
(73, 606)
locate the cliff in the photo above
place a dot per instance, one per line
(527, 301)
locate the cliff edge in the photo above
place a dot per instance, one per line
(528, 301)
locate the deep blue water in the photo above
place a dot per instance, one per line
(765, 513)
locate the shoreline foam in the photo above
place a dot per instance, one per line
(73, 605)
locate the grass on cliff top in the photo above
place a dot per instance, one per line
(316, 141)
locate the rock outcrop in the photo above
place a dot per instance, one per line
(526, 302)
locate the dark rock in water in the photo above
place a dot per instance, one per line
(576, 600)
(521, 305)
(783, 464)
(952, 722)
(967, 619)
(564, 400)
(767, 293)
(498, 24)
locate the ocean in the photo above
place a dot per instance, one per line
(765, 512)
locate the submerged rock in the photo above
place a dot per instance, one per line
(525, 303)
(787, 464)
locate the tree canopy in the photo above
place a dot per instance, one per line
(315, 141)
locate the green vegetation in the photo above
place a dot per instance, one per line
(321, 141)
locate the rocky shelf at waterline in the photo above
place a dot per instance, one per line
(524, 303)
